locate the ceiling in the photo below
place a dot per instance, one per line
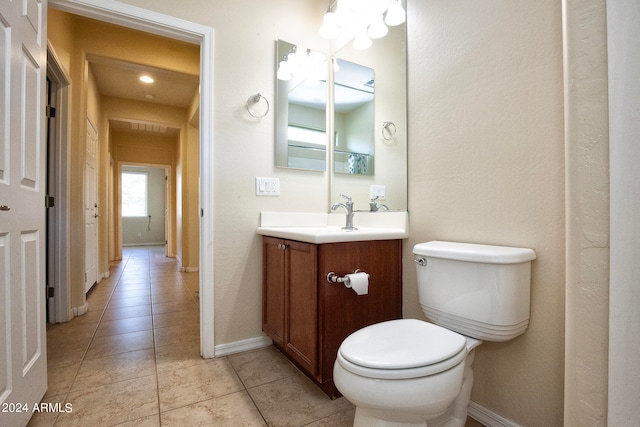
(120, 79)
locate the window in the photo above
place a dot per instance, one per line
(134, 194)
(307, 136)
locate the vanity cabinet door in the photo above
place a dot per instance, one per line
(273, 289)
(302, 305)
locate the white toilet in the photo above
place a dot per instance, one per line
(409, 372)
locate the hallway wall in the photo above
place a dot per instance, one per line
(72, 39)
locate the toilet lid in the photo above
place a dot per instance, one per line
(402, 344)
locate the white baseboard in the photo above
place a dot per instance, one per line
(131, 245)
(79, 311)
(487, 417)
(240, 346)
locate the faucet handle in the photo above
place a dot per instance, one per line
(346, 197)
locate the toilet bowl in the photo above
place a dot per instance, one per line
(405, 372)
(409, 372)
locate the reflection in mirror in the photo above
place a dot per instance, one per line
(301, 98)
(353, 119)
(387, 56)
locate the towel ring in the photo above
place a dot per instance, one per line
(253, 100)
(390, 128)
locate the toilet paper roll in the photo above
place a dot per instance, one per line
(359, 282)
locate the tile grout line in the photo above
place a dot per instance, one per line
(84, 354)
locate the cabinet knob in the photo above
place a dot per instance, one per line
(282, 246)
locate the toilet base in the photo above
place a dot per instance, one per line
(454, 416)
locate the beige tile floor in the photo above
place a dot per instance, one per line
(133, 360)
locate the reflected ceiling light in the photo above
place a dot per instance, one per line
(284, 71)
(302, 64)
(146, 79)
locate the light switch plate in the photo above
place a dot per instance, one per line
(267, 186)
(378, 191)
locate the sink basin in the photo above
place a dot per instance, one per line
(324, 228)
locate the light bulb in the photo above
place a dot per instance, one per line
(283, 71)
(329, 29)
(362, 41)
(377, 29)
(395, 14)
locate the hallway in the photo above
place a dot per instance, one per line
(133, 359)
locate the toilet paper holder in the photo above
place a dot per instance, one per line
(332, 277)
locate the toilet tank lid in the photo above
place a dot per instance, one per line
(474, 252)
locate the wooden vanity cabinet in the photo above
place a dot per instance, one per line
(307, 317)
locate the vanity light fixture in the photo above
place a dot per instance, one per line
(395, 14)
(146, 79)
(362, 20)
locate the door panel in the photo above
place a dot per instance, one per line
(91, 207)
(23, 358)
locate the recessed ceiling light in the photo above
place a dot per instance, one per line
(146, 79)
(149, 96)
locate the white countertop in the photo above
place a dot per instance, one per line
(327, 228)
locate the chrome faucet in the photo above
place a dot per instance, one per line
(375, 207)
(348, 208)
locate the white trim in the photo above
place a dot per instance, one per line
(244, 345)
(130, 245)
(487, 417)
(145, 20)
(59, 307)
(80, 311)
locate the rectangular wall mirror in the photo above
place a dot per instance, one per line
(353, 118)
(301, 97)
(362, 143)
(387, 125)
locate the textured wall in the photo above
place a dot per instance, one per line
(623, 34)
(587, 164)
(486, 165)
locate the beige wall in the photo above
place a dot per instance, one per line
(486, 166)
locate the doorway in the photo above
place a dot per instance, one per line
(144, 205)
(144, 20)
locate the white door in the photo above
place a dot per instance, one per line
(23, 355)
(91, 207)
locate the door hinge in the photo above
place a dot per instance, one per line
(49, 201)
(51, 112)
(50, 292)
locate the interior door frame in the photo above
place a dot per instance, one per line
(152, 22)
(58, 175)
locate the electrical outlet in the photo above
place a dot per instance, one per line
(267, 186)
(378, 191)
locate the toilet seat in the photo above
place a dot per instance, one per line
(401, 349)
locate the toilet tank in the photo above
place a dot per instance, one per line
(480, 291)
